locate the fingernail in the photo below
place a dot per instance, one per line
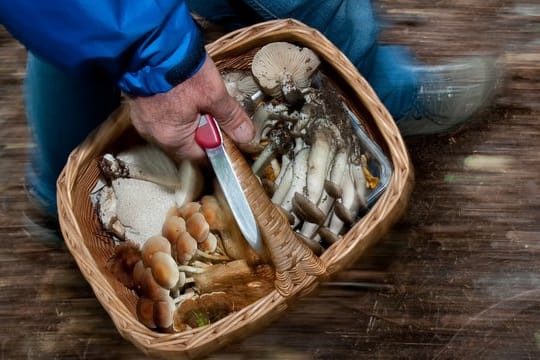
(244, 133)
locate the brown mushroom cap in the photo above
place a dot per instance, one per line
(185, 249)
(189, 209)
(197, 226)
(145, 312)
(333, 189)
(327, 235)
(212, 212)
(138, 274)
(150, 288)
(163, 313)
(306, 210)
(164, 270)
(152, 245)
(343, 213)
(209, 245)
(173, 227)
(277, 61)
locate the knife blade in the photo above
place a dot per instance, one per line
(208, 136)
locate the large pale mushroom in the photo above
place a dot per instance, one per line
(138, 177)
(284, 69)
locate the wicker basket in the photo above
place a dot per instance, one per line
(298, 270)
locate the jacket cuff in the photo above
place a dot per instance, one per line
(183, 63)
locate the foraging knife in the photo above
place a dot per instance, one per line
(208, 136)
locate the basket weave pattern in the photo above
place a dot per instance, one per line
(298, 270)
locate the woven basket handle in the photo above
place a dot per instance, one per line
(296, 265)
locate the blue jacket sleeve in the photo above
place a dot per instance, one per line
(148, 46)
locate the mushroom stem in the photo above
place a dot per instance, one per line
(191, 269)
(327, 200)
(284, 180)
(299, 175)
(264, 158)
(359, 180)
(200, 264)
(177, 300)
(319, 159)
(351, 200)
(280, 142)
(292, 94)
(212, 257)
(260, 118)
(285, 161)
(150, 163)
(218, 275)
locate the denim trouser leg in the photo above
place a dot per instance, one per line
(350, 24)
(61, 111)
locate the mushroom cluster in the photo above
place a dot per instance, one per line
(178, 246)
(188, 260)
(154, 276)
(305, 151)
(152, 273)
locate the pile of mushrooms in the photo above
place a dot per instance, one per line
(178, 246)
(305, 150)
(174, 242)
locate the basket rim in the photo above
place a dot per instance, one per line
(387, 207)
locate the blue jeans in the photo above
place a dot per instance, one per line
(62, 110)
(351, 25)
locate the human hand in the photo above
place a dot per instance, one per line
(170, 119)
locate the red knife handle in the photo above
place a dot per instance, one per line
(207, 134)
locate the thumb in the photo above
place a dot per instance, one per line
(233, 120)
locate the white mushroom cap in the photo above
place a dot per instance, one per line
(278, 62)
(240, 84)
